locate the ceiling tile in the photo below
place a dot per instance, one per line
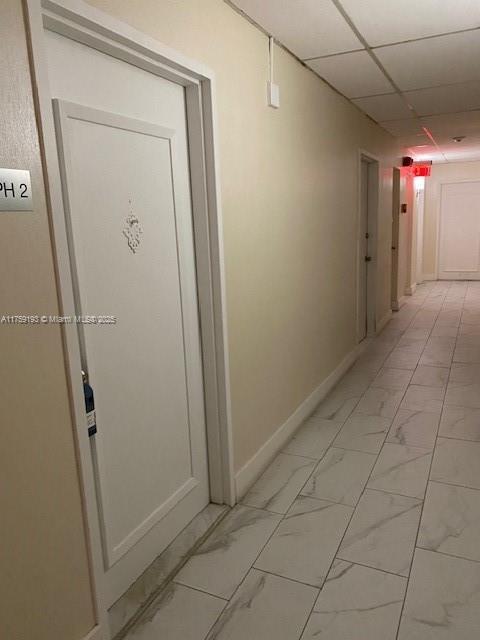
(381, 108)
(406, 127)
(447, 99)
(433, 62)
(463, 155)
(384, 21)
(309, 28)
(445, 127)
(462, 151)
(416, 140)
(426, 152)
(353, 74)
(450, 152)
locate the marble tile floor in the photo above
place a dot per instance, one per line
(367, 525)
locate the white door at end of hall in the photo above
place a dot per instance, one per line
(459, 245)
(123, 146)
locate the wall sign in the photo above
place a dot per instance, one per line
(421, 171)
(15, 190)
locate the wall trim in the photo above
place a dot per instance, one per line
(384, 321)
(411, 289)
(94, 634)
(253, 468)
(429, 276)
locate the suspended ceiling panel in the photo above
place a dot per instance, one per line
(426, 153)
(447, 99)
(401, 128)
(417, 140)
(386, 21)
(388, 107)
(353, 74)
(432, 62)
(441, 126)
(360, 47)
(466, 150)
(309, 28)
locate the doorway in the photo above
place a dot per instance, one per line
(395, 237)
(128, 130)
(367, 239)
(459, 237)
(128, 217)
(419, 215)
(125, 179)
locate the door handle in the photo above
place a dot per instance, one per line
(394, 248)
(89, 405)
(368, 258)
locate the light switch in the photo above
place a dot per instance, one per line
(273, 95)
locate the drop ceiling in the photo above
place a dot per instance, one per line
(411, 65)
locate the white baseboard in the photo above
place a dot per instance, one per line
(429, 276)
(257, 464)
(381, 323)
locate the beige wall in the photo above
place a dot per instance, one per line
(289, 189)
(441, 173)
(289, 186)
(44, 582)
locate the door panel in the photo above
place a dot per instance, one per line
(126, 188)
(420, 214)
(395, 236)
(460, 231)
(363, 252)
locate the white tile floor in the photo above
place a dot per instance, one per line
(367, 525)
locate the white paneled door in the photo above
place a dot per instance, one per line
(123, 150)
(459, 243)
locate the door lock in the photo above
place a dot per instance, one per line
(368, 258)
(89, 406)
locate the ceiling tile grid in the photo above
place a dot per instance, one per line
(408, 65)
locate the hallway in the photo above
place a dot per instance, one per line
(366, 526)
(240, 320)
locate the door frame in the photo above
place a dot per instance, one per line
(440, 186)
(373, 202)
(396, 178)
(80, 22)
(419, 210)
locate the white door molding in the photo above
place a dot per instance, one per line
(80, 22)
